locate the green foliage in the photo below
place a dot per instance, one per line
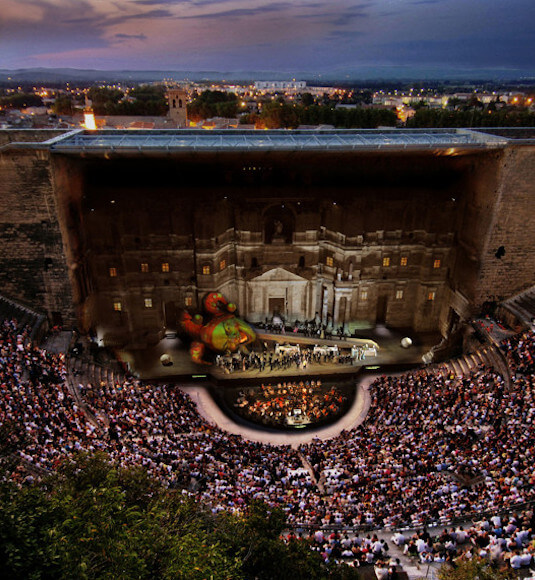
(278, 115)
(93, 520)
(454, 102)
(104, 100)
(249, 119)
(345, 572)
(63, 105)
(264, 556)
(148, 100)
(146, 93)
(475, 569)
(307, 99)
(176, 540)
(25, 547)
(213, 104)
(145, 100)
(21, 100)
(475, 117)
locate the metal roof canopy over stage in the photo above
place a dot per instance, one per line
(128, 141)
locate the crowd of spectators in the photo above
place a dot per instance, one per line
(288, 402)
(520, 353)
(36, 403)
(498, 539)
(158, 426)
(503, 540)
(433, 447)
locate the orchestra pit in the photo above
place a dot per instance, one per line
(337, 323)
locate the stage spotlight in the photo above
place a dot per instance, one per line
(406, 342)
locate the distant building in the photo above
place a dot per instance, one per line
(280, 85)
(178, 107)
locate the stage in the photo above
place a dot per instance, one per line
(390, 356)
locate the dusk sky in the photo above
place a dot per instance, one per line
(232, 35)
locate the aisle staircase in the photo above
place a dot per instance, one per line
(486, 356)
(25, 316)
(90, 372)
(83, 371)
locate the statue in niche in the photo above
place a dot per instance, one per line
(278, 228)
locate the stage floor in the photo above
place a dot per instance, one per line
(390, 354)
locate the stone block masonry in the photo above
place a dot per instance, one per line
(126, 237)
(508, 256)
(33, 268)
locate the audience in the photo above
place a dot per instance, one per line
(433, 448)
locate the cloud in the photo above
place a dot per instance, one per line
(427, 1)
(164, 2)
(356, 12)
(63, 27)
(463, 51)
(345, 34)
(208, 2)
(120, 19)
(55, 23)
(338, 15)
(121, 36)
(240, 12)
(267, 33)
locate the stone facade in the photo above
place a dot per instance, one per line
(508, 251)
(154, 235)
(33, 269)
(122, 243)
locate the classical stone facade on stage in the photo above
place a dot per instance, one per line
(394, 227)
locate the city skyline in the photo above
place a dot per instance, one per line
(306, 36)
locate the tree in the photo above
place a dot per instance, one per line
(277, 115)
(93, 519)
(453, 102)
(19, 100)
(63, 105)
(475, 569)
(256, 539)
(213, 104)
(307, 99)
(25, 516)
(104, 99)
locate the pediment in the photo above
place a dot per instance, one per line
(278, 275)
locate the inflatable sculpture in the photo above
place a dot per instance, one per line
(219, 330)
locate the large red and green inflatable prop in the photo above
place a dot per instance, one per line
(219, 330)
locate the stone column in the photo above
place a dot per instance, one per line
(336, 315)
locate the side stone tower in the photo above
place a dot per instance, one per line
(178, 106)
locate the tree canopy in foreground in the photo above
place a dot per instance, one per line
(94, 520)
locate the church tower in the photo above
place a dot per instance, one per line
(177, 106)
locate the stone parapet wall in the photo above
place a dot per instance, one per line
(511, 227)
(33, 270)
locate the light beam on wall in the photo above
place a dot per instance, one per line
(89, 120)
